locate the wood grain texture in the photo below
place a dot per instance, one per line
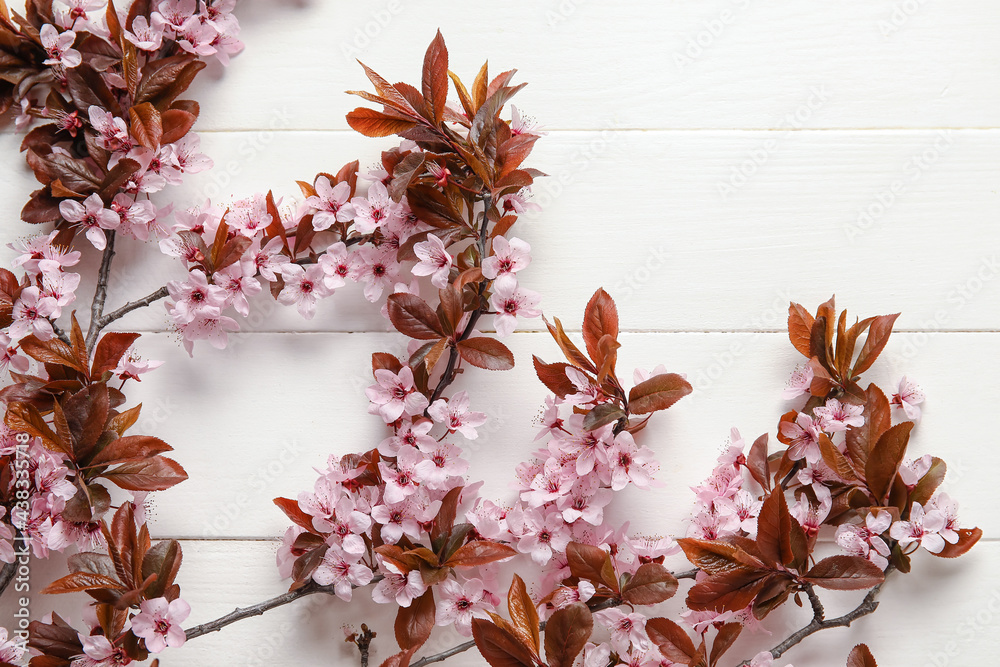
(710, 160)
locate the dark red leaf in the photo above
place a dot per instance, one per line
(413, 317)
(566, 633)
(651, 584)
(672, 640)
(414, 623)
(487, 353)
(845, 573)
(657, 393)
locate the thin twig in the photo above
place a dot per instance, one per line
(101, 292)
(60, 334)
(132, 305)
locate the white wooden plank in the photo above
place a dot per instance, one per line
(686, 64)
(251, 423)
(644, 215)
(945, 612)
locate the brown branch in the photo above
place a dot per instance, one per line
(132, 305)
(60, 334)
(101, 292)
(867, 606)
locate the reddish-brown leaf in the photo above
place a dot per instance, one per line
(146, 125)
(861, 656)
(155, 474)
(52, 351)
(845, 573)
(878, 419)
(499, 646)
(414, 623)
(599, 318)
(487, 353)
(727, 591)
(589, 562)
(81, 581)
(110, 349)
(480, 552)
(373, 123)
(967, 538)
(884, 460)
(800, 323)
(878, 335)
(569, 349)
(413, 317)
(554, 377)
(164, 560)
(724, 640)
(25, 418)
(757, 462)
(435, 78)
(176, 123)
(672, 640)
(716, 557)
(292, 511)
(523, 614)
(651, 584)
(657, 393)
(384, 360)
(129, 448)
(566, 633)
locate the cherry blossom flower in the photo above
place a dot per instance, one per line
(194, 298)
(186, 156)
(376, 268)
(524, 124)
(112, 133)
(923, 528)
(130, 367)
(398, 589)
(803, 435)
(134, 217)
(405, 517)
(159, 623)
(330, 203)
(908, 397)
(270, 259)
(912, 471)
(435, 261)
(625, 629)
(629, 462)
(488, 518)
(303, 287)
(402, 480)
(91, 216)
(836, 416)
(651, 546)
(948, 508)
(596, 655)
(543, 534)
(343, 571)
(395, 394)
(336, 265)
(455, 414)
(10, 357)
(744, 507)
(62, 288)
(443, 461)
(75, 16)
(37, 255)
(143, 35)
(809, 515)
(799, 383)
(548, 485)
(10, 650)
(208, 325)
(508, 258)
(458, 603)
(30, 312)
(509, 301)
(517, 202)
(374, 210)
(249, 216)
(238, 282)
(410, 433)
(59, 47)
(866, 540)
(585, 502)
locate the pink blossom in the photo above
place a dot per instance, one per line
(435, 261)
(809, 515)
(374, 210)
(542, 534)
(625, 629)
(10, 650)
(744, 507)
(550, 421)
(144, 36)
(443, 461)
(509, 301)
(112, 133)
(548, 485)
(597, 655)
(208, 325)
(395, 394)
(508, 258)
(922, 528)
(517, 203)
(321, 503)
(270, 259)
(803, 434)
(488, 518)
(159, 623)
(458, 603)
(30, 312)
(377, 268)
(10, 356)
(343, 571)
(330, 203)
(62, 288)
(405, 517)
(836, 416)
(99, 652)
(866, 540)
(133, 216)
(651, 546)
(398, 589)
(59, 47)
(455, 414)
(948, 508)
(197, 38)
(589, 449)
(130, 367)
(238, 282)
(285, 558)
(336, 265)
(410, 433)
(185, 155)
(585, 502)
(912, 471)
(194, 298)
(629, 462)
(908, 397)
(37, 255)
(403, 479)
(303, 287)
(799, 383)
(249, 216)
(524, 124)
(346, 526)
(92, 216)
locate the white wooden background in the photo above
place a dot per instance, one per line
(652, 106)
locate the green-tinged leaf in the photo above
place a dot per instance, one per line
(845, 573)
(657, 393)
(884, 459)
(566, 633)
(487, 353)
(651, 584)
